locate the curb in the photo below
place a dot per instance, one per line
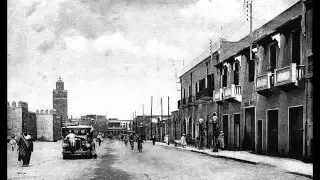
(236, 159)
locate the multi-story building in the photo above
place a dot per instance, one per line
(60, 100)
(19, 118)
(48, 126)
(197, 87)
(117, 127)
(263, 98)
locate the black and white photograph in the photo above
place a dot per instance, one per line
(160, 89)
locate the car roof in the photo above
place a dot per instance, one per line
(76, 127)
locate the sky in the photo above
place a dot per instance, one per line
(113, 55)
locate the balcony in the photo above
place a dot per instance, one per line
(205, 94)
(184, 101)
(191, 100)
(264, 83)
(290, 76)
(218, 95)
(232, 93)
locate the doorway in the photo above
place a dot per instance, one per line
(249, 129)
(237, 131)
(259, 138)
(296, 132)
(272, 116)
(225, 130)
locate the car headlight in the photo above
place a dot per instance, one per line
(87, 145)
(64, 145)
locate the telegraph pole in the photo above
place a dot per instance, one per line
(249, 6)
(151, 118)
(168, 119)
(161, 121)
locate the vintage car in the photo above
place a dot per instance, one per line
(82, 147)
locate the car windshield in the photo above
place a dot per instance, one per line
(78, 132)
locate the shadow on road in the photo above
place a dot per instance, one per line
(105, 169)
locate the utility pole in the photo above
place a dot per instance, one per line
(161, 120)
(249, 6)
(151, 117)
(168, 117)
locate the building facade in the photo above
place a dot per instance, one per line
(117, 127)
(262, 96)
(99, 123)
(48, 125)
(60, 101)
(19, 118)
(148, 125)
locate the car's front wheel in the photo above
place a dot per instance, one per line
(64, 156)
(88, 153)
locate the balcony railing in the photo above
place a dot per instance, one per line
(184, 101)
(232, 92)
(264, 82)
(289, 75)
(218, 95)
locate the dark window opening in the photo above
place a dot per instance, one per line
(273, 56)
(236, 74)
(202, 84)
(190, 91)
(296, 47)
(212, 81)
(251, 70)
(209, 81)
(184, 92)
(224, 77)
(196, 87)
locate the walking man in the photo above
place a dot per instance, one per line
(25, 148)
(99, 139)
(131, 140)
(153, 139)
(183, 141)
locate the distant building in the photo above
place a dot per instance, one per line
(19, 118)
(142, 125)
(60, 100)
(116, 126)
(99, 122)
(48, 126)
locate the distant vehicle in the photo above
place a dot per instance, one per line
(82, 147)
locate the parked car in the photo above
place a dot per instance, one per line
(83, 147)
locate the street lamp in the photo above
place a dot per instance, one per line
(215, 129)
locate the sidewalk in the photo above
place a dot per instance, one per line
(291, 165)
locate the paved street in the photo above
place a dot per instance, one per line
(116, 161)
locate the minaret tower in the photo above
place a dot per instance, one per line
(60, 100)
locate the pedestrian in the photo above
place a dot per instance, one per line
(139, 141)
(25, 148)
(183, 141)
(221, 140)
(153, 139)
(131, 140)
(13, 142)
(90, 134)
(99, 137)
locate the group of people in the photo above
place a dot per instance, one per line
(25, 147)
(131, 138)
